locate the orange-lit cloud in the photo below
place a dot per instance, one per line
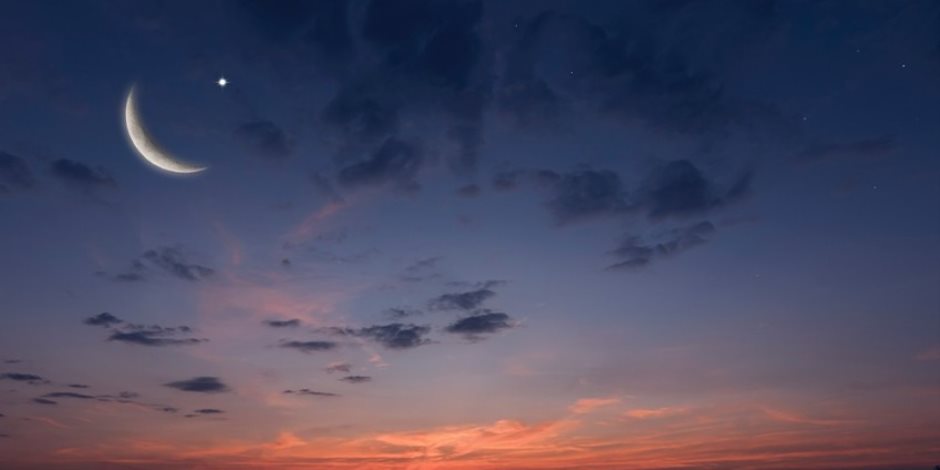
(648, 413)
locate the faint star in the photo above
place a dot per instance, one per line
(222, 82)
(805, 118)
(903, 66)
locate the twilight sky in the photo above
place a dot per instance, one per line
(465, 235)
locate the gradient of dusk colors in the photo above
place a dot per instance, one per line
(471, 235)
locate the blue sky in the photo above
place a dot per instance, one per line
(460, 234)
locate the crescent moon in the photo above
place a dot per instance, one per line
(146, 147)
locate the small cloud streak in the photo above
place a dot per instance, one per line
(587, 405)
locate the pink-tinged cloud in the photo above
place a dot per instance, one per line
(587, 405)
(312, 222)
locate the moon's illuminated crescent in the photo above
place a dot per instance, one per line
(146, 147)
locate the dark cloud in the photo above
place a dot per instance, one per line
(79, 396)
(356, 379)
(44, 401)
(15, 174)
(312, 393)
(309, 346)
(361, 118)
(398, 313)
(395, 161)
(82, 176)
(480, 323)
(680, 189)
(392, 335)
(31, 379)
(145, 335)
(423, 56)
(200, 385)
(154, 335)
(103, 319)
(171, 260)
(422, 269)
(339, 367)
(469, 300)
(584, 194)
(77, 386)
(208, 411)
(875, 147)
(264, 139)
(634, 252)
(470, 190)
(292, 323)
(638, 74)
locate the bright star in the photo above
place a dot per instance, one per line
(222, 82)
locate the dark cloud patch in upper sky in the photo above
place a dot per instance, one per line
(392, 335)
(103, 319)
(311, 393)
(82, 176)
(360, 118)
(422, 269)
(584, 194)
(209, 411)
(31, 379)
(680, 189)
(45, 401)
(15, 174)
(633, 74)
(171, 260)
(292, 323)
(480, 323)
(395, 161)
(144, 335)
(78, 396)
(200, 385)
(154, 335)
(264, 139)
(356, 379)
(309, 346)
(634, 252)
(82, 386)
(399, 313)
(469, 300)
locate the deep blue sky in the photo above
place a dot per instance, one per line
(571, 225)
